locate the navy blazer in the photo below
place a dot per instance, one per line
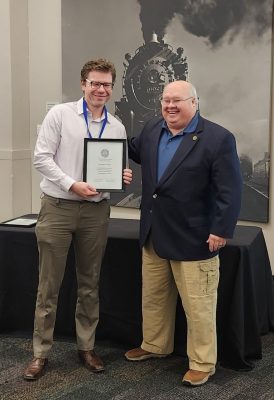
(198, 194)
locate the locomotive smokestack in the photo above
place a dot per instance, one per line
(154, 37)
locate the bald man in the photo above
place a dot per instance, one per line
(191, 195)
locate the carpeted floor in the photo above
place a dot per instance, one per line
(158, 379)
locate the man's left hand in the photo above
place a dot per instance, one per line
(215, 242)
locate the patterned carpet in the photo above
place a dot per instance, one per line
(158, 379)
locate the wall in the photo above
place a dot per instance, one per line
(15, 152)
(23, 98)
(45, 69)
(5, 112)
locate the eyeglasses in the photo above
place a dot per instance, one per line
(167, 102)
(97, 85)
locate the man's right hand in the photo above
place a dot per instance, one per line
(83, 189)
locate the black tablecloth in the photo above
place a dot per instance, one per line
(245, 297)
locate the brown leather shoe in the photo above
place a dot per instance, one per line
(91, 360)
(140, 354)
(35, 369)
(196, 378)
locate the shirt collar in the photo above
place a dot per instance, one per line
(80, 110)
(191, 127)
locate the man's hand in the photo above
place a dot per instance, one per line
(83, 189)
(215, 242)
(127, 176)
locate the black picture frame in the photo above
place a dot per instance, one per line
(100, 159)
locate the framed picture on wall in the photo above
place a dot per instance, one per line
(222, 47)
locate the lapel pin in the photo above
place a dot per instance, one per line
(194, 137)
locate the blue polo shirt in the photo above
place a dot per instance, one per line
(168, 144)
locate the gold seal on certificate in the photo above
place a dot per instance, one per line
(104, 162)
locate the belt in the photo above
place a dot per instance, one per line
(59, 200)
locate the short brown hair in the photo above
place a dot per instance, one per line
(101, 65)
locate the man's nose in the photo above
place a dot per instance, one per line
(102, 88)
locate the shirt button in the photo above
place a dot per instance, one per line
(155, 195)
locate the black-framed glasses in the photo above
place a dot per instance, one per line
(167, 102)
(97, 85)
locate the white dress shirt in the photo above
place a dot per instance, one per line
(59, 150)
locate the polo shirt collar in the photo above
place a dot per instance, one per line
(191, 127)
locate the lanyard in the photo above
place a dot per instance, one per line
(85, 111)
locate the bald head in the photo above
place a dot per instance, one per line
(186, 88)
(179, 104)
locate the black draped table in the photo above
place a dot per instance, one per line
(245, 297)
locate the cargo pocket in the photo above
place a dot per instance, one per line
(209, 276)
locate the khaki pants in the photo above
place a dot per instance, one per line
(59, 223)
(196, 282)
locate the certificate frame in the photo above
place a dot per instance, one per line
(25, 221)
(104, 162)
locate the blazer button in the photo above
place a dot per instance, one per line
(155, 195)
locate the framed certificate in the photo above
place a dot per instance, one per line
(104, 162)
(28, 220)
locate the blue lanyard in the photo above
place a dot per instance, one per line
(85, 111)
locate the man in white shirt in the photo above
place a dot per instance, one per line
(72, 210)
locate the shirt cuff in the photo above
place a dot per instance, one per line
(66, 183)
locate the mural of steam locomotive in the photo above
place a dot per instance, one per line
(246, 167)
(257, 175)
(146, 73)
(153, 65)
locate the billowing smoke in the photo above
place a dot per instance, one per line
(211, 19)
